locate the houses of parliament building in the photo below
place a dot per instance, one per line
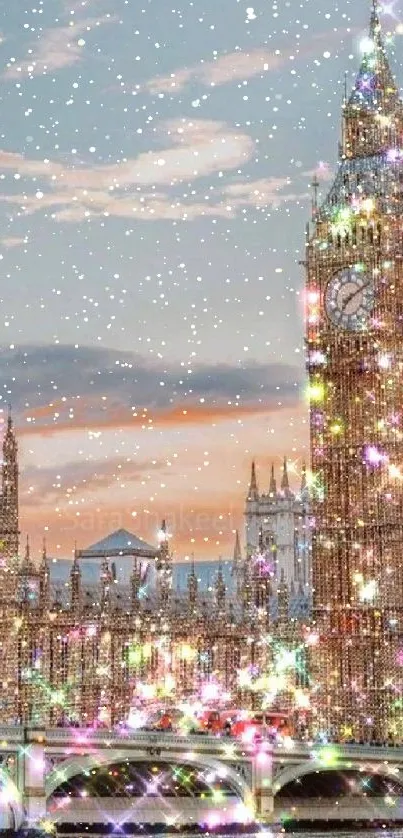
(113, 632)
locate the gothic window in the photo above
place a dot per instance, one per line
(64, 656)
(205, 661)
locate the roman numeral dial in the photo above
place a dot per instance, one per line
(349, 299)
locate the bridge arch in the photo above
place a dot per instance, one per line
(295, 772)
(73, 766)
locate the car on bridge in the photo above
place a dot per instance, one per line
(173, 720)
(270, 725)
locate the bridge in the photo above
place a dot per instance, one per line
(46, 777)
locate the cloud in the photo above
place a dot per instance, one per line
(58, 47)
(61, 387)
(13, 241)
(183, 414)
(149, 186)
(43, 486)
(240, 65)
(198, 148)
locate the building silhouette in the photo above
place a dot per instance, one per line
(91, 648)
(354, 297)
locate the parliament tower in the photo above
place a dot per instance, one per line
(354, 275)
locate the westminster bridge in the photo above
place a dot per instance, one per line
(63, 776)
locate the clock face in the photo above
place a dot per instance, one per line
(349, 299)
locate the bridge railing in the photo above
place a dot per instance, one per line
(351, 809)
(293, 748)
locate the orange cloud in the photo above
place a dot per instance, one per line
(191, 414)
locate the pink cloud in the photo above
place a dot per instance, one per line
(242, 65)
(58, 47)
(12, 241)
(198, 148)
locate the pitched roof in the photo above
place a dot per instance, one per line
(118, 543)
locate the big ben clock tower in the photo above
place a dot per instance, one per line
(355, 363)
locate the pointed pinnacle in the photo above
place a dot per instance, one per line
(253, 481)
(273, 485)
(237, 548)
(375, 12)
(284, 480)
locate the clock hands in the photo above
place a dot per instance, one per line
(353, 294)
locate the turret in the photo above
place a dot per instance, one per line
(220, 590)
(44, 579)
(9, 533)
(27, 576)
(272, 485)
(106, 582)
(26, 564)
(252, 513)
(164, 568)
(238, 564)
(285, 485)
(253, 492)
(237, 549)
(75, 585)
(192, 585)
(135, 585)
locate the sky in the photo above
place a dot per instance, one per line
(155, 167)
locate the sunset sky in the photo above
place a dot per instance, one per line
(156, 166)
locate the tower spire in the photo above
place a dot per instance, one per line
(237, 549)
(374, 14)
(220, 588)
(44, 579)
(285, 486)
(253, 491)
(375, 89)
(272, 485)
(75, 583)
(192, 584)
(164, 568)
